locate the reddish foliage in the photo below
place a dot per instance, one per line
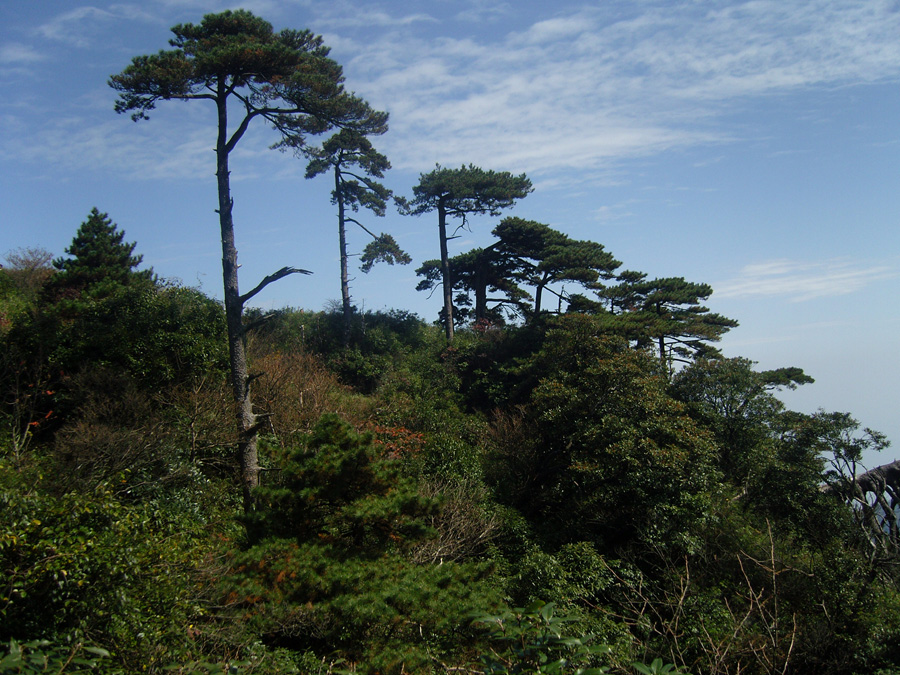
(395, 442)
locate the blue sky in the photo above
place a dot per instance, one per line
(754, 146)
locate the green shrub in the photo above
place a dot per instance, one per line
(535, 639)
(43, 656)
(131, 578)
(329, 569)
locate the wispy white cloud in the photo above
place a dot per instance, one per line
(611, 212)
(114, 146)
(81, 27)
(133, 12)
(554, 30)
(347, 14)
(17, 54)
(589, 86)
(799, 281)
(577, 89)
(177, 144)
(485, 10)
(369, 18)
(75, 26)
(265, 8)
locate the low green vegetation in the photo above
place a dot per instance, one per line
(537, 496)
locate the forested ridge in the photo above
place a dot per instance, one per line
(541, 481)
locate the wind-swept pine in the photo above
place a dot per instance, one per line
(526, 253)
(543, 256)
(344, 153)
(666, 313)
(479, 272)
(458, 193)
(237, 62)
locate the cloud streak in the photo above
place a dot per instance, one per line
(800, 281)
(17, 54)
(616, 81)
(81, 26)
(562, 98)
(75, 27)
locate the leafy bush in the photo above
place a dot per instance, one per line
(615, 458)
(43, 656)
(534, 639)
(126, 577)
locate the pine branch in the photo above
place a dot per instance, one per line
(354, 220)
(275, 276)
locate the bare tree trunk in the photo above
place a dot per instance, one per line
(480, 284)
(663, 361)
(345, 277)
(445, 273)
(240, 378)
(538, 293)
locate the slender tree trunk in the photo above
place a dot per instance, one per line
(234, 306)
(445, 273)
(663, 361)
(345, 278)
(480, 284)
(538, 292)
(539, 287)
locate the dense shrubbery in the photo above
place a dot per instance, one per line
(410, 486)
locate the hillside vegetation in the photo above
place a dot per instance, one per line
(414, 493)
(542, 482)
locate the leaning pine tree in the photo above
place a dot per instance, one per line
(236, 61)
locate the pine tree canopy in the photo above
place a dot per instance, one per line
(469, 189)
(284, 77)
(99, 254)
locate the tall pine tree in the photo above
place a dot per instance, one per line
(355, 164)
(237, 62)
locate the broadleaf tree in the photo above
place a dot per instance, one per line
(460, 193)
(236, 61)
(738, 404)
(27, 270)
(355, 165)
